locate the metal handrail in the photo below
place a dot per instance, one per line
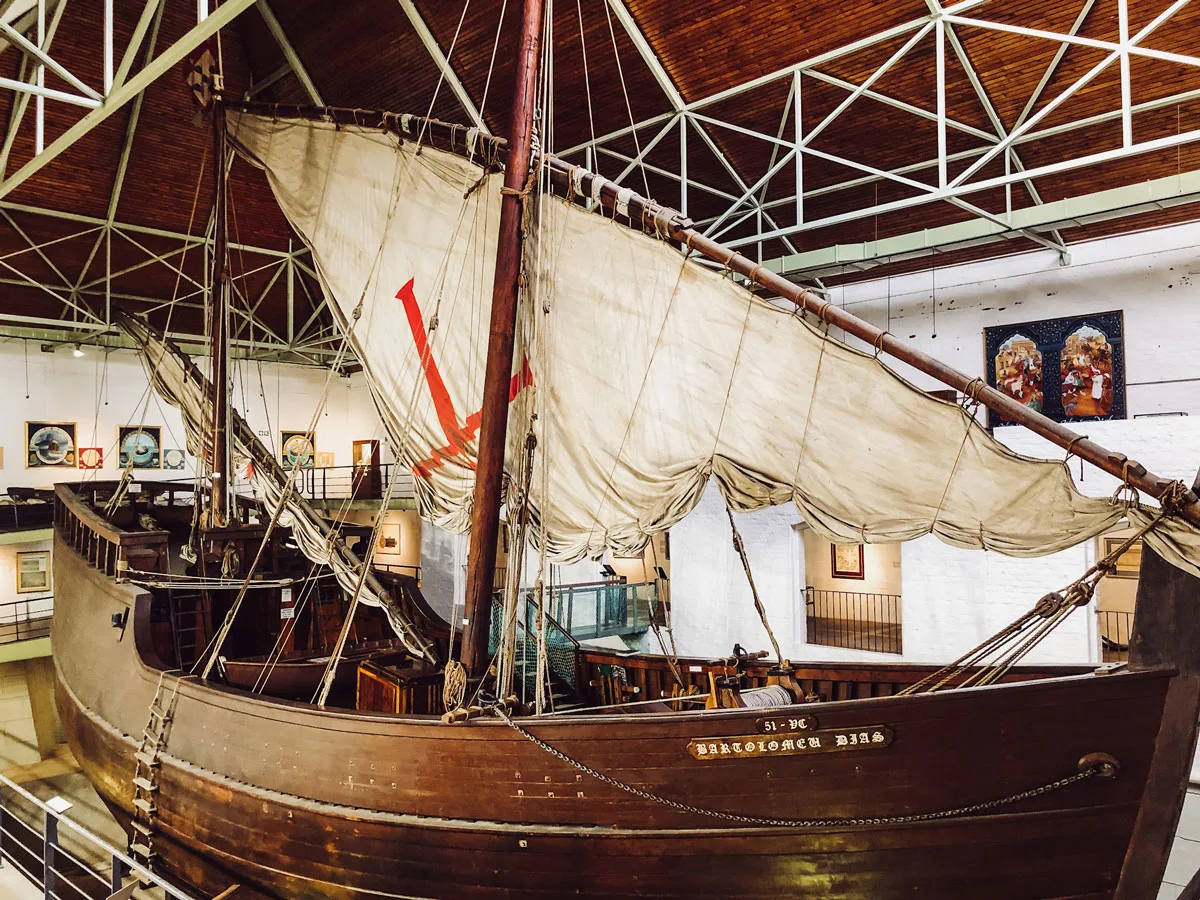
(598, 594)
(122, 865)
(1115, 629)
(856, 620)
(35, 626)
(398, 569)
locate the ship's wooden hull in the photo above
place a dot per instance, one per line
(294, 802)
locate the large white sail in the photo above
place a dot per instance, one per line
(649, 374)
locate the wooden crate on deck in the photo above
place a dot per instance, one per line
(411, 689)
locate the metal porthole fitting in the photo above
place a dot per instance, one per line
(1100, 765)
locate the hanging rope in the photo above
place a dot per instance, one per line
(660, 588)
(740, 547)
(518, 535)
(218, 641)
(364, 568)
(454, 686)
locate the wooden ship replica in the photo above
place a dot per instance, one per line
(263, 710)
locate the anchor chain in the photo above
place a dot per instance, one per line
(1096, 765)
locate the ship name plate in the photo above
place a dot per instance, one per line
(832, 740)
(784, 724)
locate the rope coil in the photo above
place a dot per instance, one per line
(454, 687)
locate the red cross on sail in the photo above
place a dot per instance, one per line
(458, 433)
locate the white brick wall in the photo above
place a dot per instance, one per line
(712, 607)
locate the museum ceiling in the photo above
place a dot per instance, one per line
(1098, 104)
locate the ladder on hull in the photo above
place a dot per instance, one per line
(145, 777)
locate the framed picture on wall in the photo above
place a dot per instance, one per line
(1070, 369)
(1129, 563)
(50, 445)
(325, 460)
(847, 561)
(139, 446)
(173, 458)
(33, 571)
(299, 448)
(91, 457)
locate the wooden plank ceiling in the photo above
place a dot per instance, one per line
(365, 53)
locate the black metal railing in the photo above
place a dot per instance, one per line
(414, 571)
(1115, 629)
(62, 860)
(857, 621)
(355, 483)
(24, 620)
(603, 608)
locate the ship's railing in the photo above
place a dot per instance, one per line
(1115, 630)
(25, 620)
(603, 608)
(616, 677)
(855, 620)
(63, 859)
(106, 547)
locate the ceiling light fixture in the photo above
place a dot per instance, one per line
(77, 352)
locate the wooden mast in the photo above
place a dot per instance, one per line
(219, 507)
(481, 559)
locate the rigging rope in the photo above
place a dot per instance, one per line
(660, 586)
(364, 568)
(995, 657)
(740, 546)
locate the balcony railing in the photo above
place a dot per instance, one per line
(602, 608)
(25, 620)
(857, 621)
(1115, 629)
(399, 569)
(355, 483)
(26, 516)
